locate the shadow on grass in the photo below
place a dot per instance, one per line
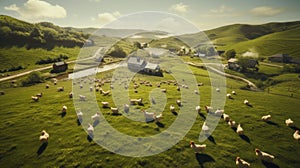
(203, 158)
(116, 114)
(245, 138)
(272, 123)
(95, 123)
(249, 105)
(90, 138)
(63, 114)
(234, 129)
(294, 128)
(42, 148)
(269, 164)
(175, 113)
(159, 124)
(211, 138)
(202, 115)
(79, 121)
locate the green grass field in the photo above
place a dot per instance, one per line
(23, 119)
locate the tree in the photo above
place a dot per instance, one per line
(33, 78)
(248, 62)
(117, 51)
(230, 54)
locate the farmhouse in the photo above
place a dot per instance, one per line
(233, 64)
(59, 67)
(137, 64)
(284, 58)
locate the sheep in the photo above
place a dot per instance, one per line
(60, 89)
(233, 92)
(164, 90)
(296, 135)
(226, 117)
(263, 155)
(218, 89)
(96, 117)
(80, 86)
(158, 117)
(44, 137)
(246, 102)
(126, 108)
(135, 86)
(90, 131)
(104, 93)
(47, 86)
(229, 96)
(240, 163)
(79, 115)
(178, 88)
(208, 109)
(35, 98)
(114, 110)
(82, 98)
(240, 130)
(149, 116)
(105, 104)
(111, 86)
(136, 101)
(197, 148)
(198, 109)
(172, 108)
(178, 102)
(266, 117)
(91, 88)
(232, 123)
(289, 122)
(205, 128)
(71, 95)
(39, 94)
(64, 109)
(97, 88)
(219, 112)
(196, 92)
(200, 84)
(158, 84)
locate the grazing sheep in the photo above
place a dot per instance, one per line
(60, 89)
(289, 122)
(82, 98)
(105, 104)
(208, 109)
(55, 82)
(246, 102)
(149, 115)
(35, 98)
(233, 92)
(136, 101)
(90, 131)
(158, 84)
(205, 128)
(196, 92)
(164, 90)
(229, 96)
(44, 136)
(178, 102)
(264, 156)
(198, 109)
(91, 88)
(232, 123)
(126, 108)
(240, 130)
(226, 117)
(71, 95)
(197, 148)
(240, 163)
(158, 117)
(172, 108)
(217, 89)
(39, 94)
(266, 117)
(64, 109)
(97, 88)
(79, 115)
(219, 112)
(114, 110)
(178, 88)
(96, 117)
(47, 86)
(111, 86)
(296, 135)
(200, 84)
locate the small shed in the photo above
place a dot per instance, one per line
(284, 58)
(136, 63)
(233, 64)
(59, 67)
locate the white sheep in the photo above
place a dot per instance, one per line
(240, 163)
(126, 108)
(158, 117)
(44, 136)
(80, 86)
(114, 110)
(233, 92)
(232, 123)
(90, 130)
(219, 112)
(240, 130)
(96, 117)
(196, 92)
(71, 95)
(47, 86)
(136, 101)
(218, 89)
(148, 115)
(164, 90)
(205, 127)
(82, 98)
(229, 96)
(198, 109)
(197, 148)
(79, 115)
(296, 135)
(226, 117)
(246, 102)
(39, 94)
(64, 109)
(264, 156)
(289, 122)
(60, 89)
(35, 98)
(104, 104)
(178, 102)
(208, 109)
(172, 108)
(266, 117)
(91, 88)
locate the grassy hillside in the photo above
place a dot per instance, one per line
(22, 121)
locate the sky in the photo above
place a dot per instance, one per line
(204, 14)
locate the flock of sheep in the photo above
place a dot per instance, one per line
(151, 116)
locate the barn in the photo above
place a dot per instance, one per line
(59, 67)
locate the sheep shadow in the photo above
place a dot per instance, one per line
(202, 115)
(269, 164)
(294, 128)
(175, 113)
(42, 148)
(249, 105)
(245, 138)
(234, 129)
(272, 123)
(159, 124)
(90, 138)
(95, 123)
(211, 139)
(63, 114)
(79, 121)
(116, 114)
(203, 158)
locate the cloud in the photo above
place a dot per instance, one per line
(180, 7)
(221, 10)
(265, 11)
(104, 18)
(35, 9)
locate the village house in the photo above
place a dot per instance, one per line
(233, 64)
(137, 64)
(59, 67)
(284, 58)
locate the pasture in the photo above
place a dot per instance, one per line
(22, 119)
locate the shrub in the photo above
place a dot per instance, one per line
(33, 78)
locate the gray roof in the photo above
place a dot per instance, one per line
(59, 63)
(151, 66)
(135, 60)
